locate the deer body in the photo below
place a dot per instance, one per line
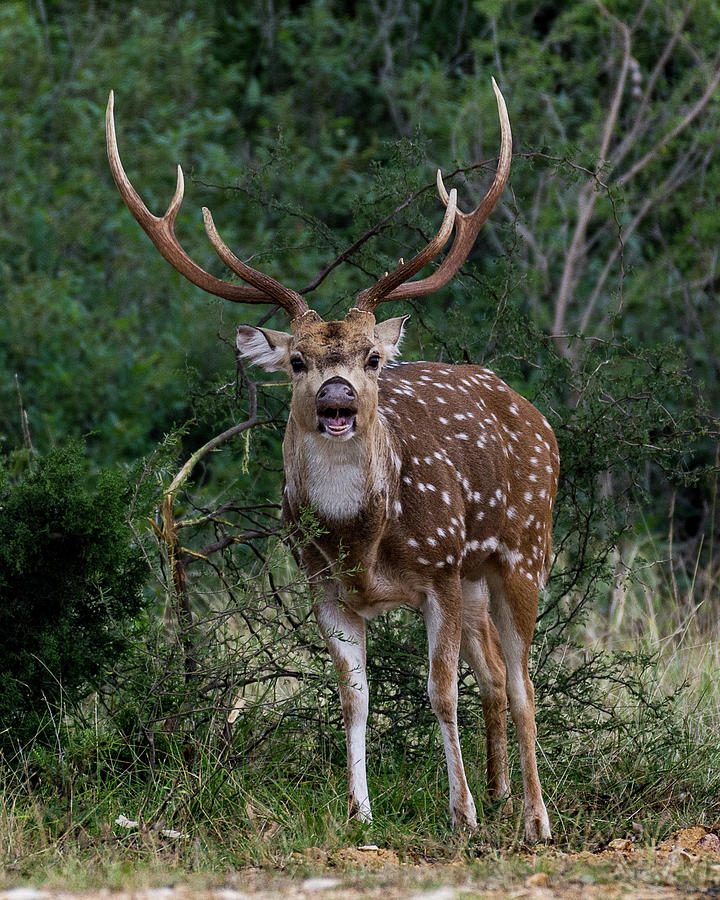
(434, 485)
(439, 497)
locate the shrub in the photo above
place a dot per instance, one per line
(70, 581)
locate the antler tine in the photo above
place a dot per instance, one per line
(368, 299)
(467, 225)
(161, 231)
(263, 282)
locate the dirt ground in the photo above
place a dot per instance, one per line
(687, 865)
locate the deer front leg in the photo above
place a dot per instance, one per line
(443, 622)
(344, 633)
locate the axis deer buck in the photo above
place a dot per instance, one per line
(437, 481)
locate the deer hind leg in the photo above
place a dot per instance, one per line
(513, 607)
(443, 625)
(481, 650)
(344, 633)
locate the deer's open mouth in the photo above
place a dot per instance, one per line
(337, 422)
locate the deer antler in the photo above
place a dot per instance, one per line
(368, 299)
(161, 231)
(468, 225)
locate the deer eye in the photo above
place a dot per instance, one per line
(297, 364)
(373, 361)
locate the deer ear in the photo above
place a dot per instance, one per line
(264, 347)
(389, 334)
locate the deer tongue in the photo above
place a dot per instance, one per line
(338, 418)
(337, 421)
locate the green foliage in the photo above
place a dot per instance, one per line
(303, 126)
(70, 582)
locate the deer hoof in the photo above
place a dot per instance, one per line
(537, 826)
(464, 819)
(504, 807)
(360, 812)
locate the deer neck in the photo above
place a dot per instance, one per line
(342, 480)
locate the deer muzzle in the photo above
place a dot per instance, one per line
(336, 405)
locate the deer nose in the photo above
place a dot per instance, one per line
(335, 393)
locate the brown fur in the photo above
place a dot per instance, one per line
(441, 499)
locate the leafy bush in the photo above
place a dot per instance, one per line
(70, 580)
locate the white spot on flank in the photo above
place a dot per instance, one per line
(511, 557)
(413, 543)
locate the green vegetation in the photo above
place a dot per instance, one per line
(70, 582)
(592, 291)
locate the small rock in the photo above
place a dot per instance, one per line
(441, 893)
(320, 884)
(538, 879)
(679, 857)
(23, 893)
(710, 843)
(623, 845)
